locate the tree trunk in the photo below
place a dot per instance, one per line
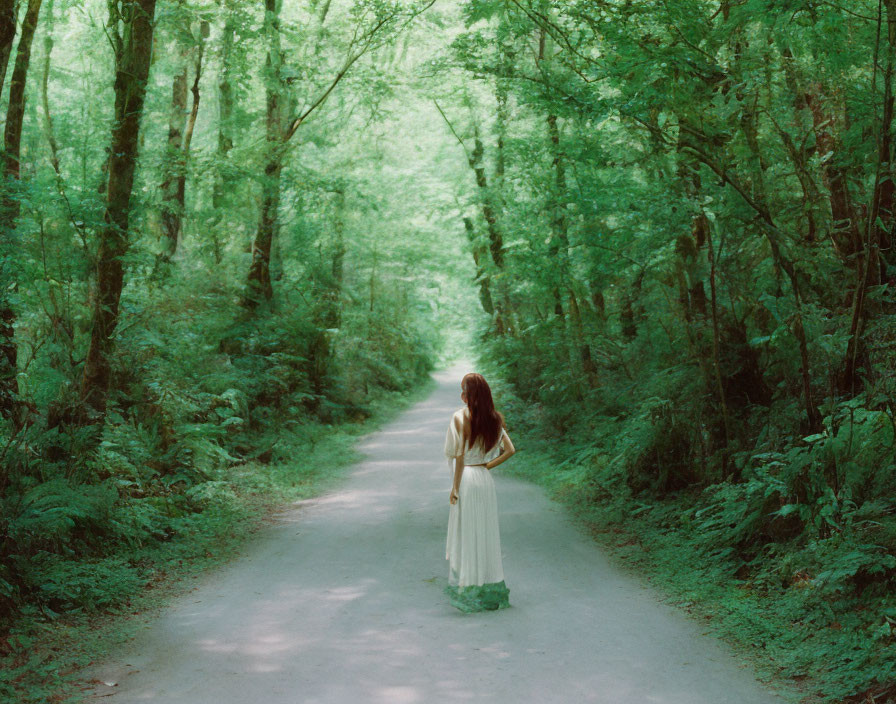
(259, 280)
(223, 180)
(582, 360)
(194, 112)
(845, 236)
(505, 72)
(598, 303)
(495, 238)
(15, 114)
(278, 135)
(561, 251)
(627, 318)
(886, 189)
(9, 211)
(7, 35)
(49, 133)
(180, 135)
(225, 90)
(485, 294)
(170, 214)
(331, 295)
(716, 363)
(133, 50)
(880, 219)
(773, 237)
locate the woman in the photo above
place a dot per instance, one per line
(473, 548)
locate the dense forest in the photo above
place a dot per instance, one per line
(686, 245)
(231, 229)
(205, 278)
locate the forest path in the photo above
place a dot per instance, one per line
(341, 601)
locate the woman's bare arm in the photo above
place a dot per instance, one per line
(458, 473)
(458, 464)
(509, 449)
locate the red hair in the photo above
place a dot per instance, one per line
(485, 422)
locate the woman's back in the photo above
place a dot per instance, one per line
(476, 454)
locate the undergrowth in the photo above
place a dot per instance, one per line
(799, 576)
(90, 605)
(215, 415)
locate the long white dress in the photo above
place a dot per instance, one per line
(473, 544)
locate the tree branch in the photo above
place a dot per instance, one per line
(366, 42)
(451, 127)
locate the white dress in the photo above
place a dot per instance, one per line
(473, 544)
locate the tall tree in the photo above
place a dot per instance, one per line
(7, 34)
(278, 134)
(879, 227)
(487, 206)
(180, 128)
(49, 132)
(9, 206)
(226, 125)
(560, 236)
(131, 25)
(275, 88)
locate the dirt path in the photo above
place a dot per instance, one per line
(342, 601)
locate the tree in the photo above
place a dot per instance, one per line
(9, 203)
(7, 34)
(131, 25)
(181, 126)
(365, 37)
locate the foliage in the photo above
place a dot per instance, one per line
(684, 219)
(678, 220)
(216, 406)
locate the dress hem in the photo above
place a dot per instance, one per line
(479, 597)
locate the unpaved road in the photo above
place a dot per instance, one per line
(341, 601)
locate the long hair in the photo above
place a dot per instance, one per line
(485, 421)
